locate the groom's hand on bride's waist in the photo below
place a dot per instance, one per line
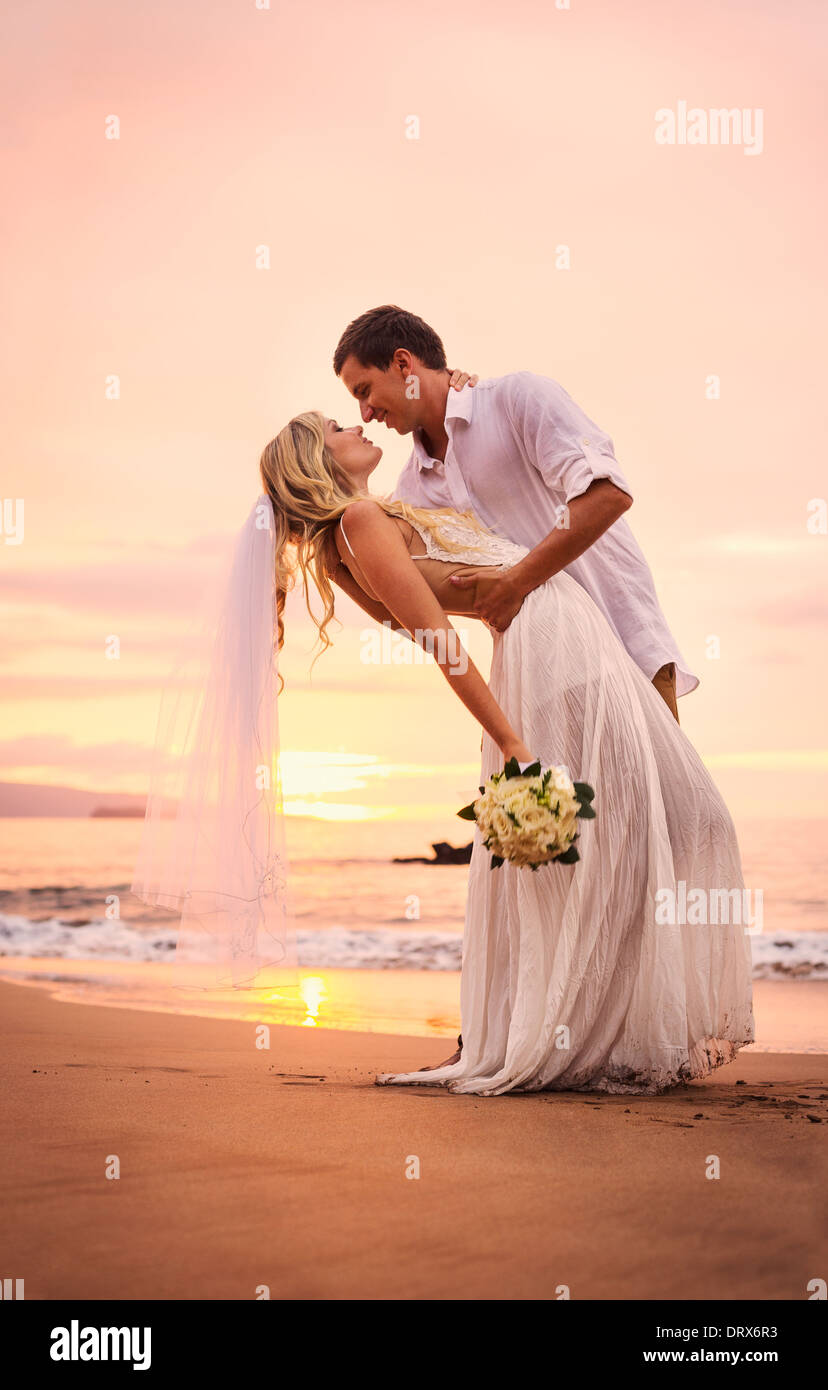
(588, 516)
(498, 598)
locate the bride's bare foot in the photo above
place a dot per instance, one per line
(450, 1061)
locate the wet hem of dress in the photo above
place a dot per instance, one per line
(705, 1057)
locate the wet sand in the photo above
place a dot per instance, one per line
(243, 1167)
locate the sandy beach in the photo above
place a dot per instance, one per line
(242, 1167)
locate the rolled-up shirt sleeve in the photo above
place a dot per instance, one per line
(568, 449)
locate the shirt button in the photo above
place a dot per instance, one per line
(584, 441)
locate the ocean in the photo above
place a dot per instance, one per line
(355, 910)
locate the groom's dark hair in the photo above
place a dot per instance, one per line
(374, 337)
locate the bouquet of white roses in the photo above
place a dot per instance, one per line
(529, 816)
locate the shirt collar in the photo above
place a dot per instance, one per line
(459, 405)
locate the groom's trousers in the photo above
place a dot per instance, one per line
(665, 683)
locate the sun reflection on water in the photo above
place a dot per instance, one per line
(312, 990)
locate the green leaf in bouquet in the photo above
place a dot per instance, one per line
(496, 862)
(570, 856)
(467, 813)
(583, 791)
(512, 768)
(586, 812)
(533, 770)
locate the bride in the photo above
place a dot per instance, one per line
(571, 979)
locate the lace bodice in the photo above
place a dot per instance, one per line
(477, 548)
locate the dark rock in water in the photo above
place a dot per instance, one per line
(444, 853)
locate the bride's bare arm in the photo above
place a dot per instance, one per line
(342, 577)
(382, 556)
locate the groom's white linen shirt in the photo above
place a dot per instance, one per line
(519, 448)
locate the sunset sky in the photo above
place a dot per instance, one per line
(285, 127)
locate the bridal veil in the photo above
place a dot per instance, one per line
(213, 844)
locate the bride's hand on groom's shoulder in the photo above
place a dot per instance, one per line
(498, 598)
(460, 379)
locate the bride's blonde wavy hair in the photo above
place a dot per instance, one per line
(309, 493)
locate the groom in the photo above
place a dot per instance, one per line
(521, 454)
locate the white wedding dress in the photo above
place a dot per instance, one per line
(570, 980)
